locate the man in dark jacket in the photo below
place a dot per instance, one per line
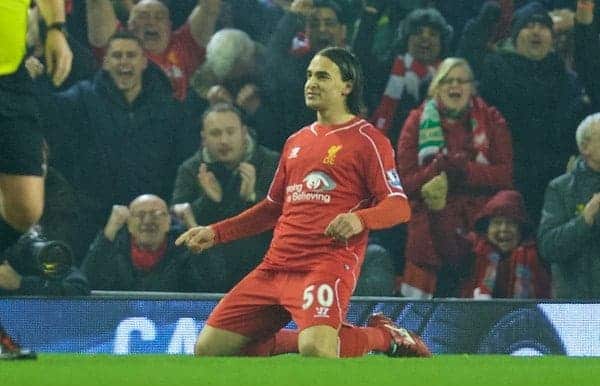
(118, 133)
(140, 256)
(537, 95)
(229, 174)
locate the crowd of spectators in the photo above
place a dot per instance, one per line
(191, 101)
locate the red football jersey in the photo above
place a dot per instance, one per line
(325, 171)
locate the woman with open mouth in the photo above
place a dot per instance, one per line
(454, 153)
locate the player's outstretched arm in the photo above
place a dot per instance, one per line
(197, 239)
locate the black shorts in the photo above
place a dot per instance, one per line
(21, 140)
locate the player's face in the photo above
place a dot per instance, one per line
(125, 62)
(324, 87)
(224, 137)
(148, 222)
(151, 23)
(504, 233)
(456, 88)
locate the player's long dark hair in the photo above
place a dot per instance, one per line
(351, 71)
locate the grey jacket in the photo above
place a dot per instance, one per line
(565, 240)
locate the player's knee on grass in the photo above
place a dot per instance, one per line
(318, 341)
(216, 342)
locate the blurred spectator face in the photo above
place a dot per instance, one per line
(425, 45)
(504, 233)
(456, 88)
(224, 137)
(590, 148)
(230, 53)
(125, 62)
(324, 29)
(324, 86)
(534, 41)
(150, 22)
(149, 221)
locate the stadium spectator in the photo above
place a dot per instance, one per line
(503, 260)
(587, 48)
(116, 136)
(178, 53)
(307, 27)
(136, 252)
(539, 98)
(36, 266)
(454, 152)
(424, 38)
(233, 73)
(319, 202)
(568, 230)
(21, 159)
(229, 174)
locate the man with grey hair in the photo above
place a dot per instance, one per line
(232, 72)
(570, 224)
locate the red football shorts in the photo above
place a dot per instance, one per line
(266, 300)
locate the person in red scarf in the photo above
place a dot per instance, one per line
(501, 251)
(424, 39)
(136, 252)
(454, 153)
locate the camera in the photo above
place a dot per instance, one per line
(34, 254)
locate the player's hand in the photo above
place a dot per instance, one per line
(197, 239)
(248, 184)
(209, 183)
(118, 217)
(344, 226)
(10, 279)
(58, 56)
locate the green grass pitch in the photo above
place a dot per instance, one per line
(442, 370)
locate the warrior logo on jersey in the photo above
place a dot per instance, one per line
(331, 154)
(393, 178)
(318, 181)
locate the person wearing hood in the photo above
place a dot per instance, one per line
(502, 249)
(568, 231)
(116, 136)
(457, 147)
(226, 176)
